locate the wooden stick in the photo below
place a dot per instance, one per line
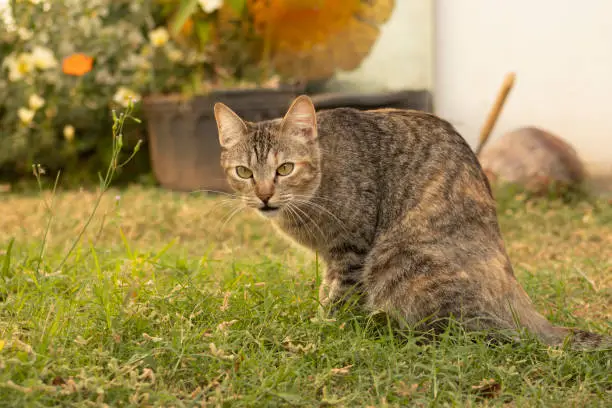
(495, 111)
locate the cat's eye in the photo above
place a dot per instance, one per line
(284, 169)
(244, 172)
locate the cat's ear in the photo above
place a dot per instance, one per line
(231, 128)
(301, 119)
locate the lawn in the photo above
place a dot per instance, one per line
(166, 302)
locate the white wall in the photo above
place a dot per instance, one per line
(561, 51)
(402, 58)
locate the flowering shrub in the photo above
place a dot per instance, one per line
(65, 63)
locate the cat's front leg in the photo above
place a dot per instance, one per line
(329, 291)
(339, 285)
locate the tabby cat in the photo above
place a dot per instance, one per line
(398, 207)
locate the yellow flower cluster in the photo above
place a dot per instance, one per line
(21, 65)
(26, 115)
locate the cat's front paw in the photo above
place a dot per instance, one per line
(333, 297)
(328, 299)
(329, 293)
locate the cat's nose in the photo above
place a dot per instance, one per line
(265, 197)
(264, 192)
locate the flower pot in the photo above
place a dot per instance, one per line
(404, 99)
(183, 139)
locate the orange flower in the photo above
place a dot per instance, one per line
(77, 64)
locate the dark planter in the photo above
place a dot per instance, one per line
(406, 99)
(183, 140)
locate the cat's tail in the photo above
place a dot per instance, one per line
(577, 339)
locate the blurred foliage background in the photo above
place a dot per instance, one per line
(60, 81)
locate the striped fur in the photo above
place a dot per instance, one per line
(397, 205)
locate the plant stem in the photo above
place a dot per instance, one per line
(118, 123)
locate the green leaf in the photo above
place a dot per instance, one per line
(202, 30)
(186, 10)
(7, 258)
(237, 5)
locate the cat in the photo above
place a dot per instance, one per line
(398, 207)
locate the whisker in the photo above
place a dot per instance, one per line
(291, 214)
(292, 209)
(312, 221)
(324, 210)
(222, 203)
(233, 213)
(203, 190)
(311, 198)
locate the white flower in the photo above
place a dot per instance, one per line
(123, 96)
(6, 16)
(174, 54)
(159, 37)
(69, 133)
(36, 102)
(24, 33)
(43, 58)
(25, 115)
(19, 65)
(210, 5)
(134, 38)
(137, 61)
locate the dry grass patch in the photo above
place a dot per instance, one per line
(164, 303)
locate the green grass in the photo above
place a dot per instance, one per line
(163, 303)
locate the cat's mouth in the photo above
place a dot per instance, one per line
(268, 210)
